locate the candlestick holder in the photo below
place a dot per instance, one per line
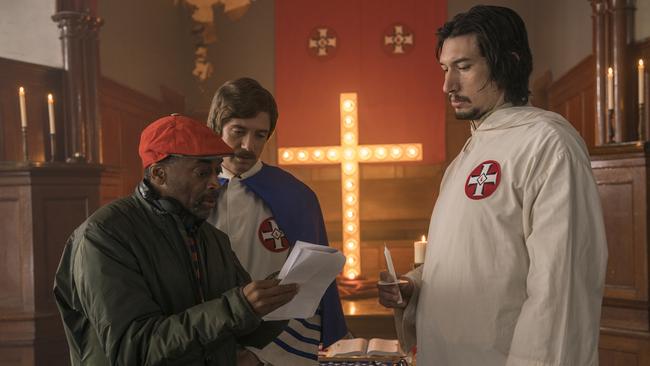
(76, 158)
(610, 126)
(52, 147)
(24, 136)
(641, 128)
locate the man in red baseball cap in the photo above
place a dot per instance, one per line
(144, 280)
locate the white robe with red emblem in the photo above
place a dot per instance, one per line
(515, 265)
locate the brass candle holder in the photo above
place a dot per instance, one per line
(610, 126)
(52, 147)
(641, 128)
(24, 137)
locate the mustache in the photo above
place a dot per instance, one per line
(458, 98)
(244, 154)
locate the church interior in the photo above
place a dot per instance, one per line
(363, 122)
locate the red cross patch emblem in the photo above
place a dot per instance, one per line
(271, 236)
(483, 180)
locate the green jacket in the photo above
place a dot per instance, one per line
(127, 295)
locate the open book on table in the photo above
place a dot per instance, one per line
(364, 347)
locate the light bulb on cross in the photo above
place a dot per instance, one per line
(349, 155)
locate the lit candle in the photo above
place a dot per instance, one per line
(420, 249)
(23, 109)
(610, 89)
(50, 111)
(640, 71)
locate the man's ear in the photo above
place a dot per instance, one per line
(158, 174)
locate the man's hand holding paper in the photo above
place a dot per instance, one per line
(313, 268)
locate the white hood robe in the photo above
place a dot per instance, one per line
(514, 277)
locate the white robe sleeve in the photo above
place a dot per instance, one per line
(567, 250)
(405, 318)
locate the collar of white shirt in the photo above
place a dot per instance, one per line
(249, 173)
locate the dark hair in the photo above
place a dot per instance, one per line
(241, 98)
(502, 39)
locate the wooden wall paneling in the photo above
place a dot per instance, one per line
(621, 173)
(11, 296)
(574, 96)
(622, 186)
(125, 112)
(617, 349)
(47, 201)
(38, 81)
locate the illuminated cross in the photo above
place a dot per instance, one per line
(349, 154)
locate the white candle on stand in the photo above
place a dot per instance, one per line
(50, 112)
(610, 89)
(420, 249)
(23, 109)
(641, 70)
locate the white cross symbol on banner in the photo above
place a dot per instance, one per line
(322, 42)
(398, 39)
(481, 179)
(275, 234)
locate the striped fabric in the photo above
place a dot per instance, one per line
(297, 345)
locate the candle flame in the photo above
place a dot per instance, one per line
(610, 72)
(424, 238)
(50, 98)
(641, 62)
(21, 91)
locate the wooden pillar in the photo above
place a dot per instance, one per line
(91, 77)
(621, 38)
(79, 43)
(599, 13)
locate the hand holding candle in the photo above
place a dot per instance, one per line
(23, 109)
(420, 249)
(50, 111)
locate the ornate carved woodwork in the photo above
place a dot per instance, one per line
(41, 205)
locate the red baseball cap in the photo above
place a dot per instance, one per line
(182, 136)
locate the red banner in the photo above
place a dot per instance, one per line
(384, 50)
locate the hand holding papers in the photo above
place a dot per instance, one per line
(313, 268)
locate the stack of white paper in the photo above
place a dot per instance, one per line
(313, 267)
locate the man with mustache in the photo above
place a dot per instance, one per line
(145, 281)
(515, 266)
(265, 210)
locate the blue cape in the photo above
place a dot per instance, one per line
(296, 209)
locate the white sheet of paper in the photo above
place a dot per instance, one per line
(313, 267)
